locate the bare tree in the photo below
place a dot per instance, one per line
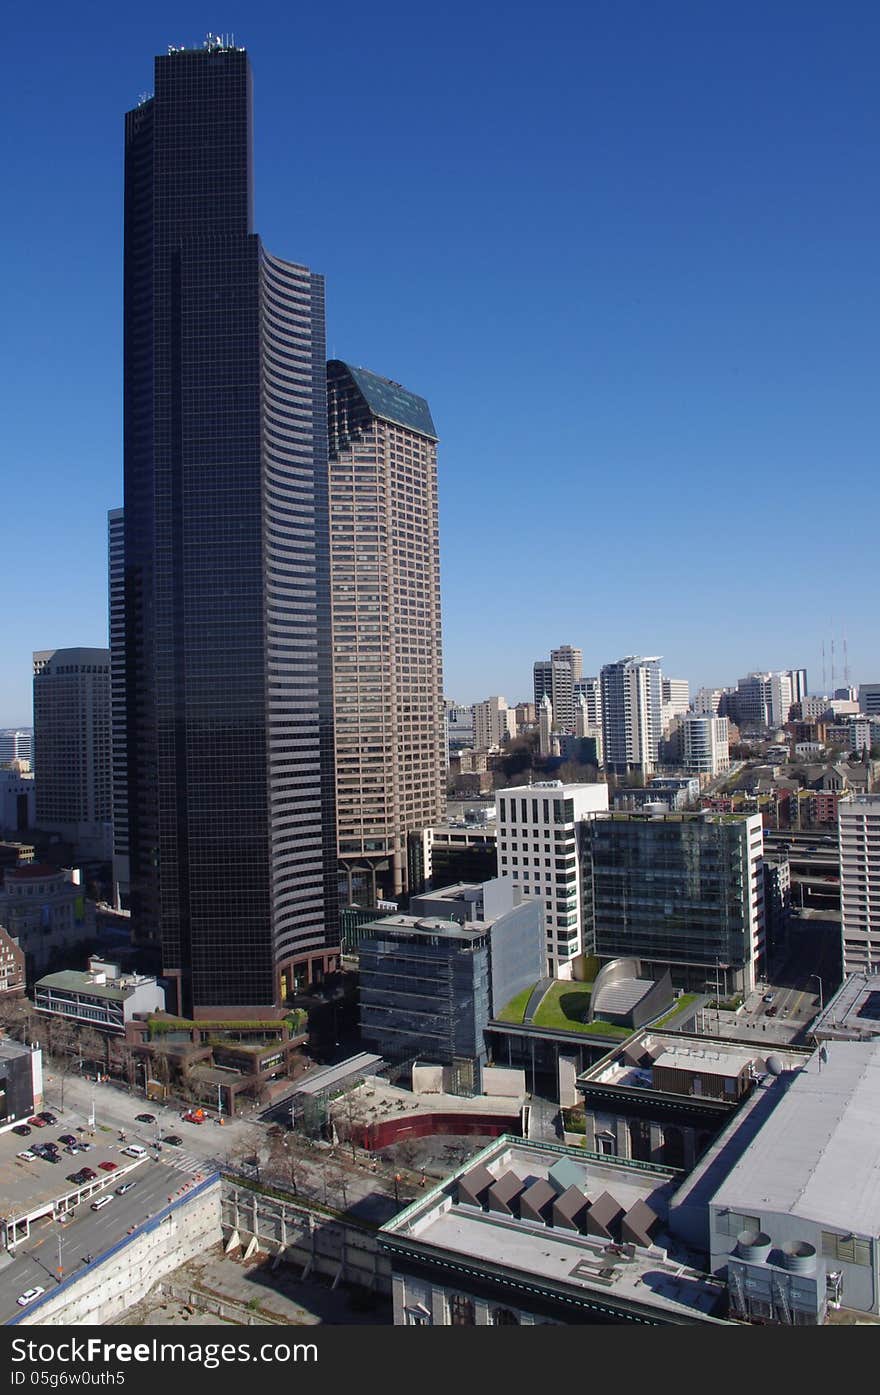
(351, 1120)
(243, 1152)
(335, 1179)
(93, 1048)
(64, 1049)
(17, 1017)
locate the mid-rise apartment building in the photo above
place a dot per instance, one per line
(540, 836)
(675, 700)
(705, 743)
(494, 723)
(763, 699)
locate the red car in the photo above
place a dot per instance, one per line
(194, 1118)
(37, 1122)
(108, 1166)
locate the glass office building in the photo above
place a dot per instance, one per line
(425, 994)
(227, 656)
(683, 891)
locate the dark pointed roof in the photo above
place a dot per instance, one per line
(389, 401)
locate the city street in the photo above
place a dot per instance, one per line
(324, 1174)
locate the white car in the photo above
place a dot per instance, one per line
(134, 1150)
(26, 1155)
(29, 1295)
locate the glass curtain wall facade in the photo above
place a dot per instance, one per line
(116, 628)
(679, 891)
(228, 695)
(425, 994)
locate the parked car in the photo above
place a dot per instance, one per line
(29, 1295)
(26, 1155)
(108, 1166)
(87, 1174)
(85, 1147)
(22, 1130)
(134, 1150)
(145, 1118)
(68, 1138)
(37, 1122)
(173, 1140)
(74, 1177)
(47, 1117)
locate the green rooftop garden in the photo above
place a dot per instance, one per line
(564, 1007)
(516, 1007)
(681, 1003)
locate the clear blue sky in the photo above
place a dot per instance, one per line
(628, 251)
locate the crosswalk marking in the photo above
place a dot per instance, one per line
(182, 1161)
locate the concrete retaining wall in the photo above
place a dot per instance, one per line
(124, 1274)
(323, 1245)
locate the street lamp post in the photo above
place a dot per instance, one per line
(818, 979)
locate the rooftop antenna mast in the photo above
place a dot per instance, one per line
(845, 665)
(824, 670)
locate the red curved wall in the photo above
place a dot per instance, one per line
(394, 1130)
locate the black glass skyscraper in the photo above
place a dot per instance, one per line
(228, 682)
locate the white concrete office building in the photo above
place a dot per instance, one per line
(858, 820)
(539, 844)
(591, 689)
(494, 723)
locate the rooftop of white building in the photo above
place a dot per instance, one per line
(653, 1274)
(818, 1155)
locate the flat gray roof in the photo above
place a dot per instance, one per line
(582, 1263)
(817, 1156)
(853, 1011)
(328, 1077)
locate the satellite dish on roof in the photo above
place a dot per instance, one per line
(775, 1064)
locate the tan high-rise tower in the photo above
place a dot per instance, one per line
(387, 656)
